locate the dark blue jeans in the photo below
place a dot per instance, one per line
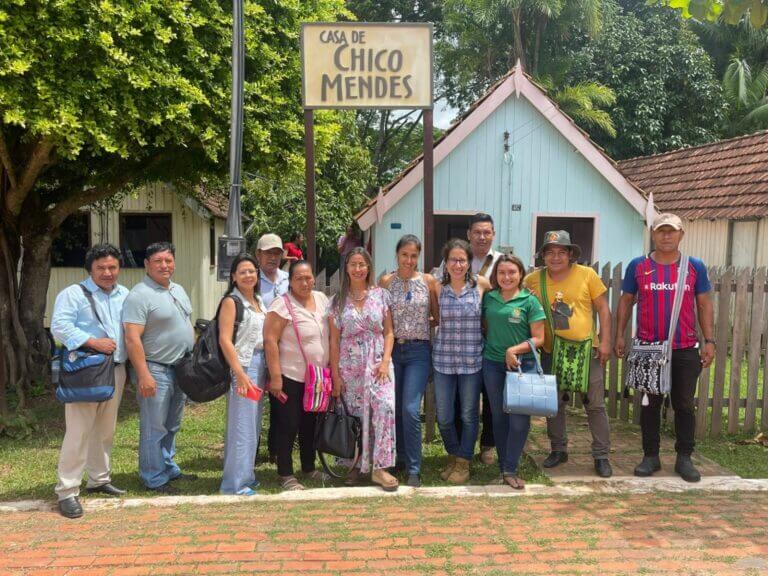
(510, 430)
(412, 362)
(467, 387)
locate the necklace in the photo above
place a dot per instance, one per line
(359, 298)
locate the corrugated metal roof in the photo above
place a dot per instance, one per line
(726, 179)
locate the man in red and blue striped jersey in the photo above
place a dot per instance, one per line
(652, 281)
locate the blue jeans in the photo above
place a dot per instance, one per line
(159, 421)
(412, 362)
(510, 430)
(467, 387)
(243, 429)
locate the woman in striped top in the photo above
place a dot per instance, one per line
(458, 356)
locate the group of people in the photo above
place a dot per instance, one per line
(475, 318)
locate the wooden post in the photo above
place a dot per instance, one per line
(614, 389)
(429, 221)
(756, 330)
(737, 350)
(722, 328)
(309, 176)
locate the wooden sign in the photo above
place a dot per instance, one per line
(363, 65)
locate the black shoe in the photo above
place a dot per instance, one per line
(603, 468)
(555, 458)
(686, 469)
(166, 489)
(108, 489)
(648, 466)
(70, 507)
(414, 481)
(183, 476)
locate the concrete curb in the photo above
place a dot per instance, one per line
(618, 485)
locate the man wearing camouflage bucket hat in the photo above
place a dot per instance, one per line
(570, 294)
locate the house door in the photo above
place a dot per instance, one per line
(581, 229)
(448, 226)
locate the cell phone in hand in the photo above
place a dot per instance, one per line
(282, 397)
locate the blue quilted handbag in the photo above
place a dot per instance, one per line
(531, 394)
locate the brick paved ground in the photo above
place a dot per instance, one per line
(691, 533)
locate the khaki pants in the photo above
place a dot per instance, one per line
(597, 417)
(87, 445)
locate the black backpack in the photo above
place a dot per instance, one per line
(204, 373)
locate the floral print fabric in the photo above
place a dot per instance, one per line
(361, 352)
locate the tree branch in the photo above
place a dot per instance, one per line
(5, 158)
(39, 159)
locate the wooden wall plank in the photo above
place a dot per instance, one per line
(737, 349)
(722, 337)
(754, 344)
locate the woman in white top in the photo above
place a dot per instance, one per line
(245, 355)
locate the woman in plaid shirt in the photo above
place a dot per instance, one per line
(457, 356)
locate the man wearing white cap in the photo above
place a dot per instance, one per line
(273, 283)
(652, 280)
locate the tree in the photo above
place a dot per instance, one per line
(274, 201)
(96, 97)
(746, 90)
(729, 11)
(667, 94)
(483, 39)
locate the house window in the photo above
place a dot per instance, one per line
(137, 231)
(74, 239)
(448, 226)
(581, 229)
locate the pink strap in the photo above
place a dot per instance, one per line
(295, 327)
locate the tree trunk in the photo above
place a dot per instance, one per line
(35, 278)
(519, 49)
(13, 342)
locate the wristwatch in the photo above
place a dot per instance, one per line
(709, 341)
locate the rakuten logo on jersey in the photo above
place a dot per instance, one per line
(661, 286)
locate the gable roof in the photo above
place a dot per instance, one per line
(726, 179)
(516, 82)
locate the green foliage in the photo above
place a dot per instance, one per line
(746, 90)
(275, 200)
(667, 95)
(583, 103)
(728, 11)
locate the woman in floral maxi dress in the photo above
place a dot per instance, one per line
(361, 348)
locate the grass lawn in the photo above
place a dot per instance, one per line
(28, 466)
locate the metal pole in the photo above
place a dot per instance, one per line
(233, 243)
(429, 220)
(309, 177)
(234, 217)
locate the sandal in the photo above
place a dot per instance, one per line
(290, 484)
(513, 481)
(384, 479)
(353, 477)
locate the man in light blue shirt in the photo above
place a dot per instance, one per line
(273, 283)
(158, 332)
(90, 426)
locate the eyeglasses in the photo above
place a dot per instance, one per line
(457, 261)
(356, 266)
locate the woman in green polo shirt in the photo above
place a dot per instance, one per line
(511, 316)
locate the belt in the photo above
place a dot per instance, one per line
(409, 341)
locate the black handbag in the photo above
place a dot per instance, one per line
(338, 433)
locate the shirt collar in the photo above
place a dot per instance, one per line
(282, 275)
(93, 287)
(496, 295)
(245, 301)
(154, 285)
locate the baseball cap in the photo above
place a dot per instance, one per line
(269, 241)
(667, 219)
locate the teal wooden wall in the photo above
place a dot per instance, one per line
(544, 174)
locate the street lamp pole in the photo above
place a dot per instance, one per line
(233, 243)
